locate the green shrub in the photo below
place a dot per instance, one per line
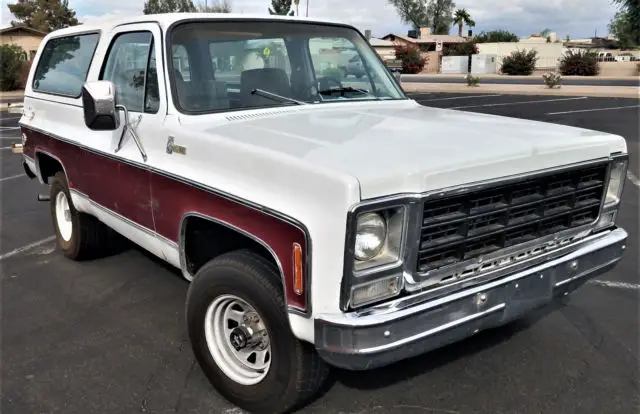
(412, 60)
(460, 49)
(12, 59)
(472, 80)
(520, 62)
(552, 80)
(580, 63)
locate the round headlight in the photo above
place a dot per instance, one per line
(371, 232)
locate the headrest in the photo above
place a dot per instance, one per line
(274, 80)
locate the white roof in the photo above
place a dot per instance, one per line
(167, 19)
(380, 42)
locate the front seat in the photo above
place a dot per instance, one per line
(272, 80)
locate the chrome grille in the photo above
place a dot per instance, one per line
(463, 227)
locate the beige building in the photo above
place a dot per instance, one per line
(427, 43)
(27, 38)
(384, 48)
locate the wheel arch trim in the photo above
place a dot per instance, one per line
(37, 158)
(183, 258)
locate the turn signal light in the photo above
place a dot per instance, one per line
(298, 285)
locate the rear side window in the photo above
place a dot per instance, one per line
(64, 64)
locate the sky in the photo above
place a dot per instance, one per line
(577, 18)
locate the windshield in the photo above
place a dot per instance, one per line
(232, 65)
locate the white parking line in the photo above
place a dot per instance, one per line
(26, 247)
(456, 97)
(617, 285)
(635, 180)
(592, 110)
(12, 177)
(521, 102)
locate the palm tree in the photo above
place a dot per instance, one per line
(297, 2)
(462, 17)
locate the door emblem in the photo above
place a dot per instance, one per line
(172, 147)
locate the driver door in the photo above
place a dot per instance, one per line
(131, 63)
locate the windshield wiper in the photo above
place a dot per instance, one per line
(276, 97)
(343, 89)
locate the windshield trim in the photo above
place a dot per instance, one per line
(168, 62)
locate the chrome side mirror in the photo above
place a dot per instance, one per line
(99, 105)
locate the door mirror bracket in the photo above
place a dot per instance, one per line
(101, 112)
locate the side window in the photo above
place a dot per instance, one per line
(335, 58)
(126, 66)
(64, 64)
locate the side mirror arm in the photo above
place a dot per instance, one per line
(127, 127)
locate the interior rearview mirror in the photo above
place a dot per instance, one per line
(99, 105)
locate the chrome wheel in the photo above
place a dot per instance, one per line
(63, 216)
(237, 340)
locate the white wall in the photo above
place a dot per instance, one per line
(385, 52)
(548, 53)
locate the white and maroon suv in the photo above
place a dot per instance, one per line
(322, 219)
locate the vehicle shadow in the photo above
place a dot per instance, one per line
(413, 367)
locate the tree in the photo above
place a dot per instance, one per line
(413, 12)
(281, 7)
(437, 14)
(622, 28)
(43, 15)
(461, 18)
(545, 33)
(221, 6)
(440, 12)
(168, 6)
(495, 36)
(297, 3)
(626, 23)
(12, 59)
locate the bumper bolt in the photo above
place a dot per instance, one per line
(482, 298)
(573, 265)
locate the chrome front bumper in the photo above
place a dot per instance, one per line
(382, 336)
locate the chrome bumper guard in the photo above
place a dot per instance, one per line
(366, 340)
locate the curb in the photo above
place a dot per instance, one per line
(408, 77)
(520, 89)
(11, 104)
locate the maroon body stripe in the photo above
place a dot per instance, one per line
(127, 189)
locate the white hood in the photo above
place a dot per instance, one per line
(400, 147)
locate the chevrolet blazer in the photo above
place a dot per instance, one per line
(321, 219)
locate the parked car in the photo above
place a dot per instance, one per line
(606, 57)
(626, 57)
(318, 224)
(355, 67)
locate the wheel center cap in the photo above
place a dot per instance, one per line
(238, 338)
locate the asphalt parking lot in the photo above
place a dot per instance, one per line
(108, 336)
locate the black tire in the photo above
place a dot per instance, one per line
(90, 238)
(296, 373)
